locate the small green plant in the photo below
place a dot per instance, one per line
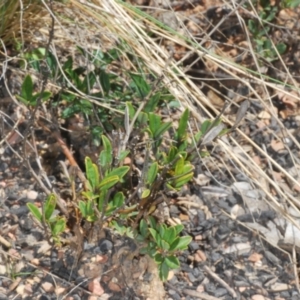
(109, 194)
(260, 29)
(99, 184)
(54, 223)
(27, 95)
(290, 3)
(163, 244)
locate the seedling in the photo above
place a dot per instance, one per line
(54, 223)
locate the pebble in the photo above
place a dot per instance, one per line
(174, 295)
(26, 223)
(44, 297)
(3, 297)
(32, 195)
(105, 246)
(193, 246)
(23, 210)
(3, 166)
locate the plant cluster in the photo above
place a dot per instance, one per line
(260, 29)
(108, 195)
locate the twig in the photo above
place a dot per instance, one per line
(199, 295)
(4, 242)
(221, 281)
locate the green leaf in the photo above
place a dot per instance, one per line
(101, 200)
(188, 167)
(155, 235)
(140, 85)
(142, 119)
(144, 251)
(104, 80)
(294, 3)
(27, 88)
(143, 228)
(89, 207)
(169, 235)
(35, 211)
(106, 155)
(146, 193)
(161, 229)
(108, 182)
(89, 194)
(68, 65)
(118, 199)
(181, 243)
(120, 172)
(182, 128)
(152, 221)
(23, 100)
(162, 129)
(163, 271)
(106, 143)
(164, 245)
(172, 262)
(171, 155)
(281, 48)
(152, 173)
(89, 82)
(182, 180)
(178, 228)
(205, 126)
(158, 258)
(154, 123)
(49, 206)
(82, 208)
(130, 109)
(179, 166)
(58, 227)
(46, 95)
(123, 155)
(92, 173)
(152, 103)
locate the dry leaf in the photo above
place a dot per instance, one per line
(291, 100)
(215, 99)
(95, 287)
(277, 145)
(255, 257)
(114, 286)
(264, 115)
(202, 180)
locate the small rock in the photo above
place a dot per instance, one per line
(48, 287)
(105, 246)
(193, 246)
(200, 256)
(3, 297)
(26, 224)
(12, 197)
(220, 293)
(32, 195)
(3, 166)
(257, 297)
(21, 289)
(191, 277)
(2, 270)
